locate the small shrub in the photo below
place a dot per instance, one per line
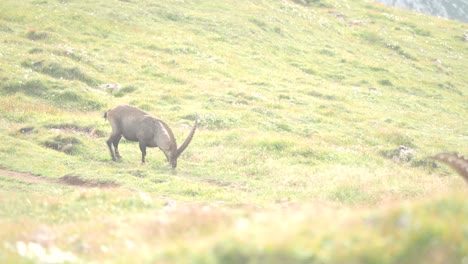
(336, 77)
(211, 121)
(247, 97)
(378, 69)
(314, 155)
(68, 145)
(171, 16)
(323, 96)
(308, 71)
(422, 32)
(146, 107)
(35, 35)
(280, 126)
(371, 37)
(327, 52)
(138, 173)
(400, 51)
(259, 23)
(165, 77)
(274, 145)
(385, 82)
(125, 90)
(426, 163)
(35, 51)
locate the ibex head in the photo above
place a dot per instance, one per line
(172, 152)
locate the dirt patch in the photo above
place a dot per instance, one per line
(26, 177)
(71, 180)
(75, 180)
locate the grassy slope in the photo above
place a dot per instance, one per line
(302, 109)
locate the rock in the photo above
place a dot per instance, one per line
(405, 154)
(110, 87)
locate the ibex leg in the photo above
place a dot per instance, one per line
(116, 146)
(143, 152)
(109, 144)
(114, 140)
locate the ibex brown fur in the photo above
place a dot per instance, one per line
(136, 125)
(456, 161)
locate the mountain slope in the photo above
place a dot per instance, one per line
(329, 107)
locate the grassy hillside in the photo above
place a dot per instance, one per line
(316, 121)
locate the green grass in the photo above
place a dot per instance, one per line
(303, 107)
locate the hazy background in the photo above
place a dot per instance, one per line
(452, 9)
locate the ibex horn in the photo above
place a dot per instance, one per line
(187, 141)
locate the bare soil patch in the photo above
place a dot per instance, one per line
(26, 177)
(75, 180)
(71, 180)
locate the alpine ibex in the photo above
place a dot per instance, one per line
(136, 125)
